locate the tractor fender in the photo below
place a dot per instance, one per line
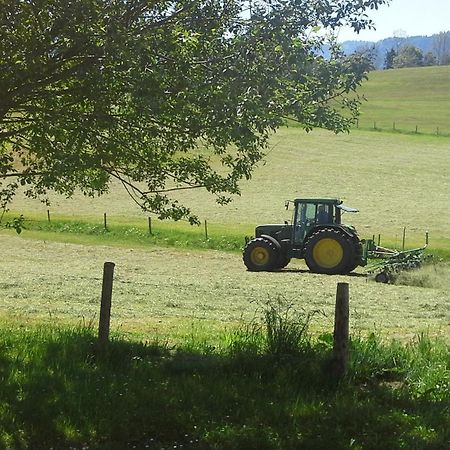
(271, 239)
(332, 226)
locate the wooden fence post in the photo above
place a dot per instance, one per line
(48, 215)
(206, 230)
(104, 221)
(404, 238)
(150, 226)
(341, 331)
(105, 306)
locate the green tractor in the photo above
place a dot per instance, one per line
(316, 235)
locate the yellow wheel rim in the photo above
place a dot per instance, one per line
(259, 256)
(328, 253)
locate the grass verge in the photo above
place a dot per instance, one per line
(265, 386)
(207, 236)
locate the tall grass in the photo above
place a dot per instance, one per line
(166, 235)
(56, 393)
(433, 275)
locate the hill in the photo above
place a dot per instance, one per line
(408, 97)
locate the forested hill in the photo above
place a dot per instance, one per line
(436, 44)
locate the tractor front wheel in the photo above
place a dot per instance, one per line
(260, 255)
(283, 261)
(329, 251)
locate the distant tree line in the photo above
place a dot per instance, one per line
(408, 55)
(401, 50)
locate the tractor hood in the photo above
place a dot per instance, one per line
(276, 230)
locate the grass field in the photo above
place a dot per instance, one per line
(409, 97)
(395, 180)
(162, 292)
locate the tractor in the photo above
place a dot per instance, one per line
(316, 235)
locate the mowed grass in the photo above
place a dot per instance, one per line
(408, 97)
(166, 293)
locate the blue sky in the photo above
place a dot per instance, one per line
(404, 18)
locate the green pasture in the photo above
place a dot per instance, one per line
(406, 98)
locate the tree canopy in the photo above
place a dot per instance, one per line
(164, 95)
(408, 56)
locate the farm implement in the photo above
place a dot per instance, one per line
(317, 235)
(389, 263)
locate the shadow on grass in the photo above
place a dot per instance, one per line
(292, 270)
(55, 393)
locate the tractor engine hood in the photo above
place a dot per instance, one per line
(277, 230)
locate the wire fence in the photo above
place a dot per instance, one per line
(403, 127)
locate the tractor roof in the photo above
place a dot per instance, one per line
(330, 201)
(333, 201)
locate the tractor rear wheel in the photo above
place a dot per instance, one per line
(260, 255)
(329, 251)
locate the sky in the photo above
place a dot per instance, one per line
(404, 18)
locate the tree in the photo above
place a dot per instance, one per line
(408, 56)
(163, 95)
(368, 53)
(429, 59)
(441, 47)
(389, 59)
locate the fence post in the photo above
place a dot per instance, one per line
(404, 237)
(206, 230)
(426, 237)
(104, 221)
(341, 331)
(150, 226)
(105, 306)
(48, 215)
